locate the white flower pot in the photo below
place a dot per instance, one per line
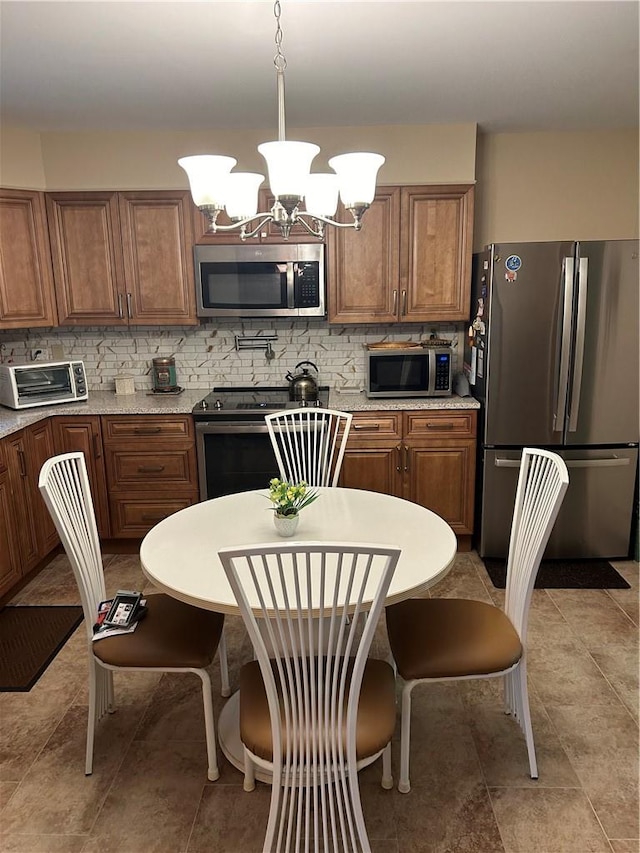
(286, 525)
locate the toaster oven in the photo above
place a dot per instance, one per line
(42, 384)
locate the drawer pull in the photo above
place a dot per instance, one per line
(147, 430)
(365, 427)
(150, 469)
(441, 426)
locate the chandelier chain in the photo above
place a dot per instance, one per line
(279, 59)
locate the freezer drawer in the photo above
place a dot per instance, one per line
(595, 517)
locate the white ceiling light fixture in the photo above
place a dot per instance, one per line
(215, 187)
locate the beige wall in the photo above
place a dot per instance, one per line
(21, 164)
(144, 160)
(556, 186)
(530, 186)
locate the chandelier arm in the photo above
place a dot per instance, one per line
(241, 223)
(357, 224)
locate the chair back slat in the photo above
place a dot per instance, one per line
(542, 484)
(309, 444)
(65, 488)
(301, 603)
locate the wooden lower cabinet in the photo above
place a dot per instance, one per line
(84, 434)
(28, 526)
(9, 547)
(423, 456)
(150, 468)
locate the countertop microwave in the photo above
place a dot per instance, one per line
(42, 383)
(249, 280)
(410, 372)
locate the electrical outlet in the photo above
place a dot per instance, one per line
(40, 354)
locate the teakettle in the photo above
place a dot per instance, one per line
(302, 386)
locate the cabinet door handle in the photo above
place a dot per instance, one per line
(446, 425)
(399, 465)
(404, 302)
(150, 469)
(395, 302)
(120, 308)
(129, 311)
(406, 458)
(22, 462)
(147, 430)
(97, 450)
(366, 427)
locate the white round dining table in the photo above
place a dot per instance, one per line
(180, 554)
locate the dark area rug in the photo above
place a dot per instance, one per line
(564, 574)
(30, 638)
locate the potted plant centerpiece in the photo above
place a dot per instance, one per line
(288, 500)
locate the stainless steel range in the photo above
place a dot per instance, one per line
(233, 445)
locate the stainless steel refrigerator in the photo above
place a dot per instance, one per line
(552, 356)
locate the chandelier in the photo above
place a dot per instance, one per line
(215, 187)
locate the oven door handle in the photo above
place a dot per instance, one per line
(222, 427)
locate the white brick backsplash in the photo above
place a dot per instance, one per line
(206, 355)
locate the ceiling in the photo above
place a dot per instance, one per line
(507, 66)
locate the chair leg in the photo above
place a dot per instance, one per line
(249, 772)
(94, 674)
(209, 726)
(519, 676)
(387, 777)
(224, 666)
(404, 785)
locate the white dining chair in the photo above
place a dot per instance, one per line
(443, 639)
(309, 444)
(313, 707)
(172, 637)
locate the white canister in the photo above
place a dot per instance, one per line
(125, 385)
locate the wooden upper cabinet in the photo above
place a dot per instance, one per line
(435, 252)
(157, 239)
(123, 258)
(363, 265)
(26, 280)
(87, 258)
(411, 262)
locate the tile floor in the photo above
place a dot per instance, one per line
(471, 792)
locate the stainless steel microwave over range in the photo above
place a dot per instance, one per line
(42, 384)
(260, 281)
(411, 372)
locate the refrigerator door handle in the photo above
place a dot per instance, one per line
(603, 462)
(565, 347)
(578, 360)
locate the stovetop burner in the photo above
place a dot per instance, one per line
(246, 401)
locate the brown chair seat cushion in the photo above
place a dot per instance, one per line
(376, 710)
(449, 637)
(172, 634)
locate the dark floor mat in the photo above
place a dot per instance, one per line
(564, 574)
(30, 638)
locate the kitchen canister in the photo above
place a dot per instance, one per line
(125, 384)
(164, 374)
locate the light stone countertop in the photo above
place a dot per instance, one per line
(145, 403)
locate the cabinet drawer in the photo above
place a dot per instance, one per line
(135, 469)
(440, 425)
(133, 517)
(120, 428)
(371, 425)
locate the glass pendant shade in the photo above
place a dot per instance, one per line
(289, 164)
(207, 177)
(321, 195)
(357, 176)
(241, 194)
